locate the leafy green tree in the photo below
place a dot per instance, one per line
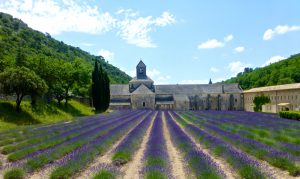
(20, 58)
(259, 101)
(21, 81)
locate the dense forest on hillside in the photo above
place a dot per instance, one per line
(39, 48)
(283, 72)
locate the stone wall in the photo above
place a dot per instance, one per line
(277, 97)
(139, 101)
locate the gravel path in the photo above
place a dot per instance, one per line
(175, 157)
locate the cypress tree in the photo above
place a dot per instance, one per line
(107, 91)
(101, 89)
(96, 87)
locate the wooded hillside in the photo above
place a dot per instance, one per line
(38, 48)
(283, 72)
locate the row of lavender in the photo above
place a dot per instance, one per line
(79, 158)
(31, 147)
(199, 163)
(239, 161)
(156, 160)
(34, 133)
(38, 155)
(214, 122)
(283, 135)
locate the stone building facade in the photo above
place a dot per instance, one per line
(141, 93)
(282, 97)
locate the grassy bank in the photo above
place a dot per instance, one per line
(42, 113)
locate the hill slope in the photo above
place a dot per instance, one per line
(36, 45)
(283, 72)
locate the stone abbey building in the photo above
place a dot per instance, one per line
(141, 93)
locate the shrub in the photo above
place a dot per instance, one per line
(15, 173)
(104, 174)
(290, 114)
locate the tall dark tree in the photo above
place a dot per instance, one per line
(100, 88)
(106, 91)
(96, 87)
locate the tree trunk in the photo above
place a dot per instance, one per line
(33, 100)
(66, 96)
(18, 102)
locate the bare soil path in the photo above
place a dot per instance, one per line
(224, 166)
(3, 162)
(132, 169)
(264, 166)
(175, 157)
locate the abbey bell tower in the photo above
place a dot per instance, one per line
(141, 70)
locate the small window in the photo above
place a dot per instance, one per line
(144, 104)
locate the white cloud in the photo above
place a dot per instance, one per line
(154, 74)
(228, 38)
(165, 19)
(279, 30)
(162, 80)
(136, 30)
(212, 43)
(107, 55)
(274, 59)
(239, 49)
(157, 77)
(237, 66)
(58, 16)
(214, 70)
(131, 73)
(55, 18)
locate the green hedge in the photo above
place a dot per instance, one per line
(290, 114)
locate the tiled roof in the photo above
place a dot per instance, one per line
(142, 89)
(274, 88)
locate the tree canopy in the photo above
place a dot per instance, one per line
(65, 70)
(21, 81)
(259, 101)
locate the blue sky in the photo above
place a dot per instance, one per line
(179, 41)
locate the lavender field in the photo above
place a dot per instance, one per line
(155, 144)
